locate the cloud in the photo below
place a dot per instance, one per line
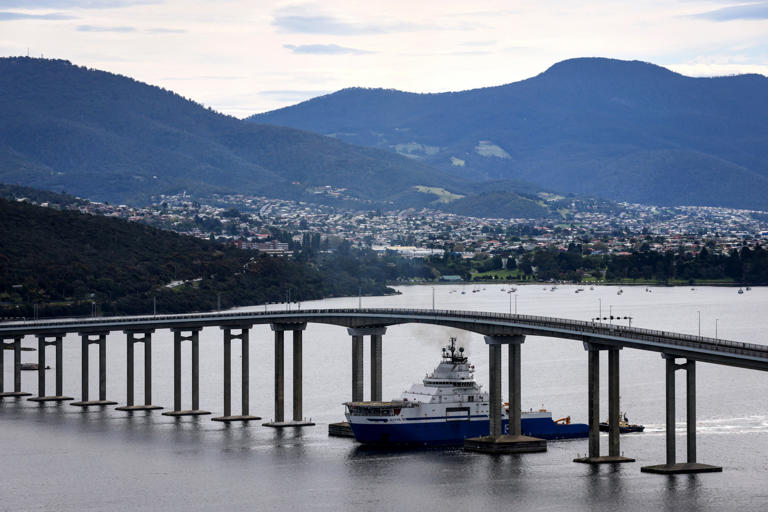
(324, 49)
(11, 16)
(292, 94)
(478, 43)
(96, 28)
(754, 11)
(288, 21)
(76, 4)
(204, 77)
(166, 31)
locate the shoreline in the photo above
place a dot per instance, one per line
(569, 283)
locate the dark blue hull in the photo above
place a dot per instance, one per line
(454, 432)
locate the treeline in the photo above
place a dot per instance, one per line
(744, 266)
(747, 265)
(67, 263)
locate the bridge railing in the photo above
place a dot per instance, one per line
(580, 326)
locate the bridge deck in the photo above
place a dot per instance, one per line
(733, 353)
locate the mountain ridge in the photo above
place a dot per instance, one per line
(110, 137)
(587, 126)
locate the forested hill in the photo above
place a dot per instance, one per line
(622, 130)
(65, 260)
(108, 137)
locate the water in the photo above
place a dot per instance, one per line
(59, 457)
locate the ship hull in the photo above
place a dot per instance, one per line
(428, 432)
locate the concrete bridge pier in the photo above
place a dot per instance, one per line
(497, 441)
(133, 337)
(376, 347)
(14, 345)
(89, 339)
(358, 369)
(279, 420)
(244, 375)
(178, 338)
(672, 467)
(593, 378)
(342, 429)
(42, 342)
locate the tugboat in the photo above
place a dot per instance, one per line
(32, 366)
(625, 427)
(447, 407)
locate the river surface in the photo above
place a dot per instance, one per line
(60, 457)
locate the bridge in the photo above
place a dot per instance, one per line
(498, 329)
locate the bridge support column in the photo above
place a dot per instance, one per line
(133, 337)
(515, 426)
(42, 342)
(244, 374)
(298, 376)
(614, 412)
(358, 334)
(178, 338)
(358, 370)
(279, 420)
(672, 467)
(497, 441)
(375, 367)
(342, 429)
(593, 379)
(14, 345)
(89, 339)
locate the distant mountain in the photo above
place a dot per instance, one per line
(622, 130)
(108, 137)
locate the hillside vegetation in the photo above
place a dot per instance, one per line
(65, 261)
(108, 137)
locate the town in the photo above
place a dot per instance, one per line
(278, 226)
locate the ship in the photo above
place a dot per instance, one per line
(625, 427)
(447, 407)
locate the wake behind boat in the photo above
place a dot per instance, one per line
(446, 408)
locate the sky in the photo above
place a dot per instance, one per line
(242, 57)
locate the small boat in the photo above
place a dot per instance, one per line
(749, 288)
(591, 287)
(625, 427)
(741, 291)
(32, 366)
(619, 292)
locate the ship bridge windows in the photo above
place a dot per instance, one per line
(373, 411)
(456, 384)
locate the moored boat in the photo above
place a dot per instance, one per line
(446, 408)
